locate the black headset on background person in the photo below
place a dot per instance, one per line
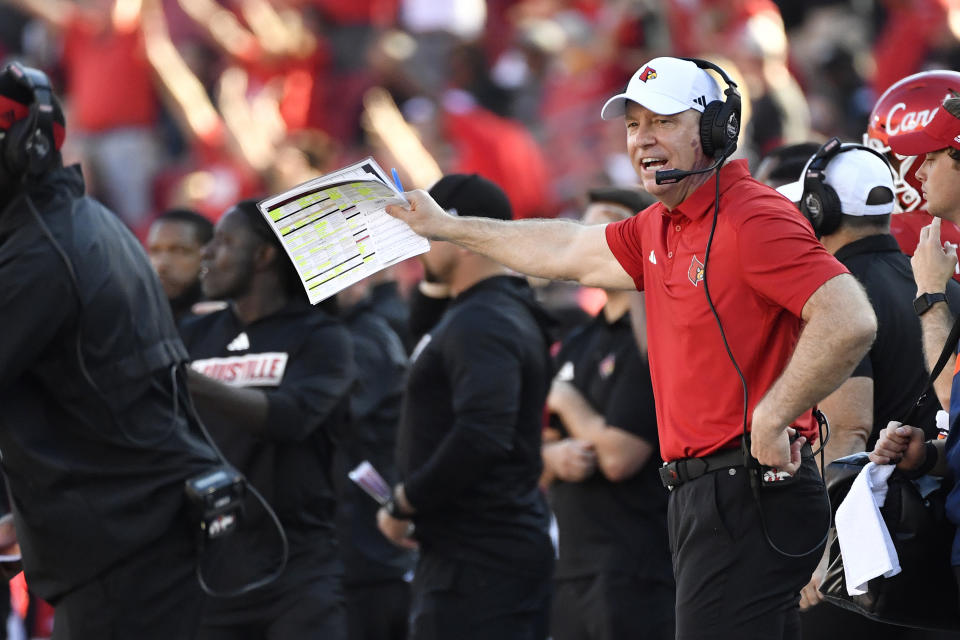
(820, 203)
(719, 126)
(28, 147)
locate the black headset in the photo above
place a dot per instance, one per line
(27, 147)
(719, 126)
(720, 121)
(820, 203)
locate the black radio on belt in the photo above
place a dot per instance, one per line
(217, 498)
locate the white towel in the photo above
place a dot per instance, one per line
(865, 543)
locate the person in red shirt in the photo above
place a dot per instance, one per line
(113, 104)
(747, 515)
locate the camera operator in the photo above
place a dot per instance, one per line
(96, 446)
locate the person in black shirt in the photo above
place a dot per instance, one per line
(614, 577)
(175, 242)
(890, 378)
(271, 376)
(96, 445)
(469, 446)
(375, 571)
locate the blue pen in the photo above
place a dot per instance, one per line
(396, 179)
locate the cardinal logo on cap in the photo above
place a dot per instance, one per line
(648, 73)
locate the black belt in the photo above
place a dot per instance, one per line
(673, 474)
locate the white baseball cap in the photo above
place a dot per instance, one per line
(853, 173)
(665, 86)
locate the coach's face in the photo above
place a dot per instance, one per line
(658, 142)
(227, 267)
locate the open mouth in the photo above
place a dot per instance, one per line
(653, 164)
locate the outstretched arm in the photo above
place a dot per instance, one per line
(840, 327)
(554, 249)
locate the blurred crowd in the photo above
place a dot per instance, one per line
(199, 103)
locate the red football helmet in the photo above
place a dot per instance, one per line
(906, 105)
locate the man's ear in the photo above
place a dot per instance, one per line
(264, 256)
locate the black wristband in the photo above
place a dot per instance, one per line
(925, 301)
(929, 461)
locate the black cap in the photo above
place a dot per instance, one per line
(472, 195)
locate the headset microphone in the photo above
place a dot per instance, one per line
(671, 176)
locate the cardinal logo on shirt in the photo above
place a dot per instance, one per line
(695, 272)
(649, 73)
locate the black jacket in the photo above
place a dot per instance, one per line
(94, 448)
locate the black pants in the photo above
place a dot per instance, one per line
(313, 610)
(151, 595)
(378, 611)
(611, 606)
(731, 583)
(469, 602)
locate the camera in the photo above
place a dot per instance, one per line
(217, 498)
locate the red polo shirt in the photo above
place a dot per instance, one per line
(764, 264)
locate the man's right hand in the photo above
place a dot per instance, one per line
(900, 444)
(424, 215)
(571, 460)
(933, 263)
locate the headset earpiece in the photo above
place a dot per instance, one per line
(28, 146)
(820, 203)
(720, 121)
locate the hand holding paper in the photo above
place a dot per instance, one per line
(335, 230)
(423, 215)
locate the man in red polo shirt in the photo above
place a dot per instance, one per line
(745, 538)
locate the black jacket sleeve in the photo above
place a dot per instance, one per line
(36, 299)
(314, 385)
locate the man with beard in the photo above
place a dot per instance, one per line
(468, 447)
(175, 242)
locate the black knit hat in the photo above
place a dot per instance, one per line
(472, 195)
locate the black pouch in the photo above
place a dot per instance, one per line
(924, 594)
